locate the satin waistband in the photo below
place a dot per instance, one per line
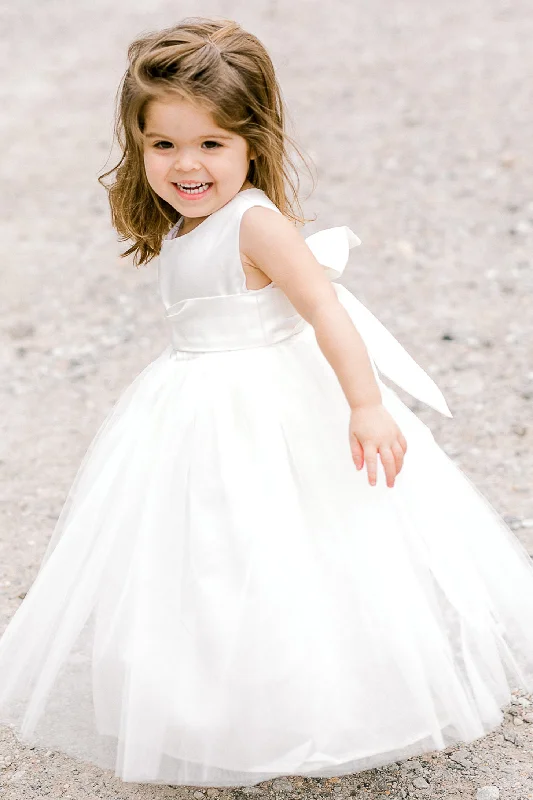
(233, 322)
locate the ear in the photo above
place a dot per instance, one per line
(252, 155)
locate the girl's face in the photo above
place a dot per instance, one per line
(183, 145)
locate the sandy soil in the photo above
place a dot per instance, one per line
(418, 116)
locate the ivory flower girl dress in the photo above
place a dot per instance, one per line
(225, 598)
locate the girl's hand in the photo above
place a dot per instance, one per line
(373, 431)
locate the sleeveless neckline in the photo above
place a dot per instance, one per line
(180, 221)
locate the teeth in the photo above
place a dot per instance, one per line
(193, 188)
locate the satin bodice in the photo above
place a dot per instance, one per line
(206, 262)
(203, 286)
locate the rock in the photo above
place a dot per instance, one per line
(455, 765)
(18, 775)
(488, 793)
(521, 701)
(405, 248)
(282, 785)
(487, 174)
(528, 717)
(522, 226)
(518, 721)
(461, 757)
(21, 330)
(420, 783)
(507, 159)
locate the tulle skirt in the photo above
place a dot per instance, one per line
(225, 599)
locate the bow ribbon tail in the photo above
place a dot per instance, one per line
(389, 356)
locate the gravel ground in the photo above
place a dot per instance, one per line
(418, 117)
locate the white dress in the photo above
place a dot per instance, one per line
(225, 598)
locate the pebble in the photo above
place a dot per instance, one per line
(420, 783)
(518, 721)
(507, 159)
(282, 785)
(17, 775)
(21, 330)
(521, 701)
(405, 248)
(528, 717)
(461, 757)
(521, 226)
(488, 793)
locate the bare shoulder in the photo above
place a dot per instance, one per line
(261, 225)
(272, 243)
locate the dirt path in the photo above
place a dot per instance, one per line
(419, 118)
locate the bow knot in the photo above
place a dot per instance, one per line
(331, 248)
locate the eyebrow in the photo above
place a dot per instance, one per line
(205, 136)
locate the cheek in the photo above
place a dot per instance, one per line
(154, 169)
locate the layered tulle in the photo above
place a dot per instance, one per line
(226, 599)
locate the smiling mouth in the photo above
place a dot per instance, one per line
(192, 189)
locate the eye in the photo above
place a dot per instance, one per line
(217, 144)
(156, 145)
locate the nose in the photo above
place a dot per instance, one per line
(186, 161)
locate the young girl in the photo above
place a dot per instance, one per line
(266, 565)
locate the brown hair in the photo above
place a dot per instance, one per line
(227, 71)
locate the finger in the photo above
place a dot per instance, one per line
(398, 455)
(389, 465)
(403, 442)
(371, 463)
(357, 452)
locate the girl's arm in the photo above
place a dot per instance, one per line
(274, 245)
